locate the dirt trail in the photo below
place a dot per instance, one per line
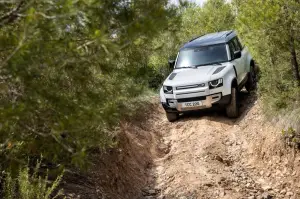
(210, 156)
(204, 155)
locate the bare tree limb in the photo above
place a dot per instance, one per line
(16, 49)
(11, 16)
(35, 132)
(67, 148)
(46, 16)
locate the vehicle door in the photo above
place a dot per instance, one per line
(237, 62)
(238, 46)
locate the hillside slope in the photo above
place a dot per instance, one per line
(202, 155)
(212, 156)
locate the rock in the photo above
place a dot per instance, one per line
(289, 193)
(164, 148)
(222, 192)
(283, 191)
(261, 173)
(266, 188)
(235, 184)
(251, 197)
(150, 197)
(285, 171)
(237, 189)
(151, 192)
(266, 195)
(278, 173)
(254, 190)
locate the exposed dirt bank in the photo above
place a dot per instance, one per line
(203, 155)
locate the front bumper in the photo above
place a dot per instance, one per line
(175, 105)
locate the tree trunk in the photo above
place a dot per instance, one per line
(294, 62)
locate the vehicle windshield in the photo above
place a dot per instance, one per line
(204, 55)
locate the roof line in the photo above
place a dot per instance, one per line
(196, 38)
(229, 33)
(212, 38)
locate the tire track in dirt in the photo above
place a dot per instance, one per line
(211, 156)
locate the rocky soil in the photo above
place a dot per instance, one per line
(202, 155)
(211, 156)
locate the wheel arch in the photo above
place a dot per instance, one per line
(234, 83)
(229, 76)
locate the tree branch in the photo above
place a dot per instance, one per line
(15, 51)
(12, 15)
(67, 148)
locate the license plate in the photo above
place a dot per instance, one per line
(191, 104)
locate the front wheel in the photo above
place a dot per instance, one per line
(172, 117)
(232, 109)
(251, 83)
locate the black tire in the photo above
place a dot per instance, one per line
(172, 117)
(232, 109)
(251, 83)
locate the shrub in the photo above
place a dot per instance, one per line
(291, 137)
(31, 186)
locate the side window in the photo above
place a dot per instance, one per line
(240, 43)
(237, 44)
(231, 48)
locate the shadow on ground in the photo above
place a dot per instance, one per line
(218, 114)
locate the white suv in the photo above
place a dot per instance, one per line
(209, 70)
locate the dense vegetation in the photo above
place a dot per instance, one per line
(71, 70)
(271, 31)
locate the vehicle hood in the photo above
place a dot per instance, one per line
(188, 76)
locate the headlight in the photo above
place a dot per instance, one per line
(168, 89)
(215, 83)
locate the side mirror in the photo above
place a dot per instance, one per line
(171, 63)
(237, 54)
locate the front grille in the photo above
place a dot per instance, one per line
(190, 86)
(191, 99)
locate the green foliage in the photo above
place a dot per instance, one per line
(194, 21)
(214, 16)
(292, 137)
(70, 71)
(289, 132)
(268, 28)
(27, 186)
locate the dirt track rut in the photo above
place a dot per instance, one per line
(206, 155)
